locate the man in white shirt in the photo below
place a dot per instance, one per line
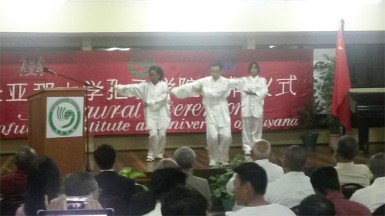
(373, 196)
(348, 171)
(261, 151)
(253, 90)
(249, 189)
(294, 185)
(156, 104)
(214, 89)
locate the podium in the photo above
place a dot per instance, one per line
(56, 130)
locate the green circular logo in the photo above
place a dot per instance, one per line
(139, 63)
(64, 116)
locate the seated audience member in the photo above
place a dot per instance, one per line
(162, 181)
(78, 184)
(117, 190)
(373, 196)
(43, 182)
(325, 182)
(185, 157)
(261, 153)
(316, 205)
(348, 172)
(15, 184)
(249, 189)
(294, 185)
(167, 163)
(183, 201)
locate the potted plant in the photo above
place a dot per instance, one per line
(128, 172)
(323, 86)
(219, 181)
(308, 119)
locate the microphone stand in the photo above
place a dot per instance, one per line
(46, 70)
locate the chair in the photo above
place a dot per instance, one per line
(349, 188)
(380, 211)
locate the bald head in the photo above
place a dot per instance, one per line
(377, 165)
(294, 158)
(261, 149)
(24, 157)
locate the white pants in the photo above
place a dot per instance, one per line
(251, 131)
(157, 142)
(218, 142)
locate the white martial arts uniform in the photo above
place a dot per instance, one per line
(156, 113)
(218, 123)
(252, 108)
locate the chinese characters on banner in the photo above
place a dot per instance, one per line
(289, 74)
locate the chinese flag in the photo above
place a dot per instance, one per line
(340, 101)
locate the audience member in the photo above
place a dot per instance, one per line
(185, 157)
(43, 182)
(117, 190)
(373, 196)
(162, 181)
(249, 189)
(325, 182)
(167, 163)
(294, 185)
(261, 152)
(15, 184)
(348, 171)
(78, 184)
(183, 201)
(316, 205)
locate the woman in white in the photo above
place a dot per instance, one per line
(253, 90)
(214, 89)
(156, 104)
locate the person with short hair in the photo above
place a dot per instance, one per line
(316, 205)
(15, 184)
(325, 182)
(156, 103)
(294, 185)
(166, 163)
(253, 90)
(117, 190)
(249, 189)
(183, 201)
(214, 89)
(373, 196)
(185, 157)
(348, 171)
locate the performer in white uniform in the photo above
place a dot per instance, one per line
(214, 89)
(156, 103)
(253, 90)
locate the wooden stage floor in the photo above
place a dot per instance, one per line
(322, 155)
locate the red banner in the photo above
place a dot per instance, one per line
(289, 74)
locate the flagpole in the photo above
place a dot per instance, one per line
(342, 24)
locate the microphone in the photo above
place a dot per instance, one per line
(47, 70)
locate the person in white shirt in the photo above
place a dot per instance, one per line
(214, 89)
(253, 90)
(261, 151)
(249, 189)
(156, 104)
(373, 196)
(348, 171)
(294, 185)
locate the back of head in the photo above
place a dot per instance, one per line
(261, 149)
(185, 157)
(377, 165)
(316, 205)
(163, 180)
(347, 147)
(253, 173)
(182, 200)
(325, 179)
(166, 163)
(80, 184)
(294, 158)
(43, 179)
(24, 157)
(105, 156)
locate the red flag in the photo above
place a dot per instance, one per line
(340, 101)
